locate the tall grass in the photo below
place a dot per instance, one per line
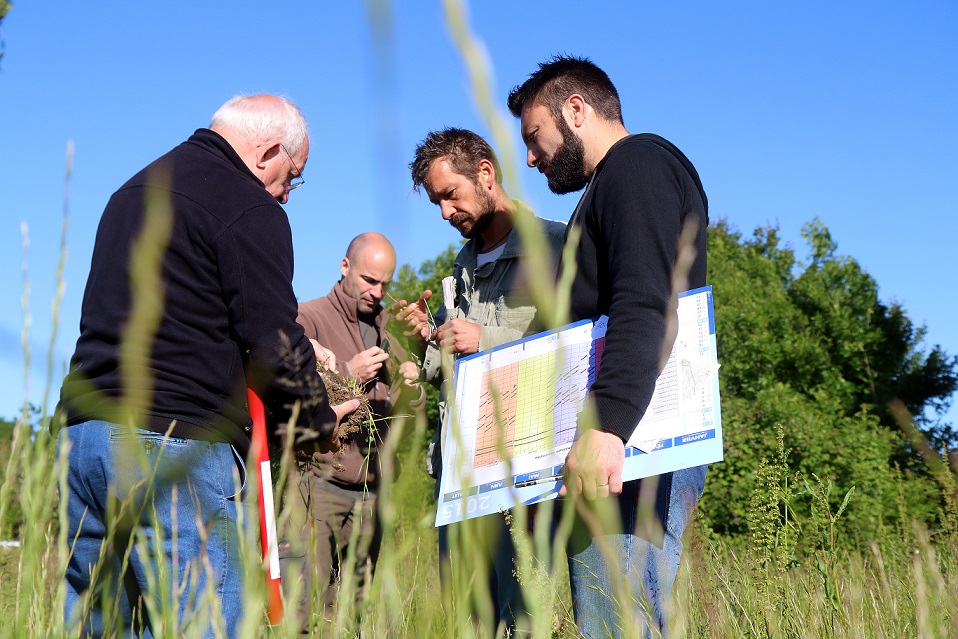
(904, 584)
(898, 588)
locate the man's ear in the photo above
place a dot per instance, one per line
(575, 107)
(486, 173)
(266, 152)
(344, 266)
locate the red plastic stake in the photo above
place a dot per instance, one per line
(267, 514)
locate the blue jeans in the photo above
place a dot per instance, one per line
(184, 515)
(647, 557)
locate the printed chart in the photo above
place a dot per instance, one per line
(528, 407)
(515, 409)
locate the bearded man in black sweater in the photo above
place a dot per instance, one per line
(155, 410)
(641, 191)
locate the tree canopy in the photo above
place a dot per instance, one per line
(4, 9)
(809, 349)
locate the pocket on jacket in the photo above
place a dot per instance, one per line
(516, 318)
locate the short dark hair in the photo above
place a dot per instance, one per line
(463, 148)
(562, 76)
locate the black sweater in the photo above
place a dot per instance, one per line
(631, 216)
(228, 312)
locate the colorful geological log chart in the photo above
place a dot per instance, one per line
(529, 406)
(515, 410)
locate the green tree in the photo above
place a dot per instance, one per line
(5, 6)
(13, 517)
(810, 348)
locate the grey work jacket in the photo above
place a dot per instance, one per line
(496, 296)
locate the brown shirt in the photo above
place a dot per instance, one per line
(333, 321)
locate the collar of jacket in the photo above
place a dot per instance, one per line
(349, 307)
(470, 252)
(216, 143)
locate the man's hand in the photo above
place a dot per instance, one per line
(332, 443)
(410, 374)
(365, 365)
(594, 465)
(414, 316)
(458, 336)
(324, 355)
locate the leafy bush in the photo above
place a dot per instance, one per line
(811, 352)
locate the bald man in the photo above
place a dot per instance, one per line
(340, 491)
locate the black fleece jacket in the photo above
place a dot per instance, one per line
(227, 308)
(631, 216)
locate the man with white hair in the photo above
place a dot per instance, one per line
(159, 374)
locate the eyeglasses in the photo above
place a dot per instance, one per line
(297, 181)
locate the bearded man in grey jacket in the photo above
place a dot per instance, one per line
(492, 300)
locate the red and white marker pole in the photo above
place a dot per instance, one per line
(267, 514)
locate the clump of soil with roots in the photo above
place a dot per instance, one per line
(339, 390)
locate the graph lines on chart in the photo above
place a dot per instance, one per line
(530, 406)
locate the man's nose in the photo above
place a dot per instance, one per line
(531, 158)
(377, 291)
(447, 210)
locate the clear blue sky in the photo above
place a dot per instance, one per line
(845, 111)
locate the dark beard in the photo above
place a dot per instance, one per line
(485, 217)
(567, 168)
